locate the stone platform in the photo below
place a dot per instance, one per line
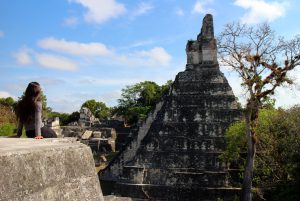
(47, 170)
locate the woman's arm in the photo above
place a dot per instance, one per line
(38, 119)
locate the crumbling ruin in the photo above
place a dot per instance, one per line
(86, 117)
(53, 123)
(175, 155)
(95, 134)
(47, 170)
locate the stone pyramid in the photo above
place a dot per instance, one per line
(175, 154)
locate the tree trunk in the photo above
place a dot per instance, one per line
(251, 149)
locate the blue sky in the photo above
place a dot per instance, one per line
(91, 49)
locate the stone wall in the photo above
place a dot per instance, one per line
(115, 168)
(47, 170)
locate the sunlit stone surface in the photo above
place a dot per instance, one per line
(47, 170)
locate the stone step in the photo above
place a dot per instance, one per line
(204, 101)
(154, 152)
(188, 115)
(175, 176)
(191, 128)
(206, 88)
(182, 193)
(178, 160)
(115, 198)
(185, 145)
(203, 75)
(191, 171)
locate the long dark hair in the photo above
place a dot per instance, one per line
(27, 104)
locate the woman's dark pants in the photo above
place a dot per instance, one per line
(46, 133)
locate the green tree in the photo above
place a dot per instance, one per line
(165, 87)
(262, 61)
(7, 115)
(287, 132)
(286, 129)
(7, 120)
(278, 149)
(74, 116)
(65, 118)
(9, 101)
(140, 94)
(7, 129)
(138, 99)
(98, 109)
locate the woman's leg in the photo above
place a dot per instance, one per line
(48, 132)
(30, 133)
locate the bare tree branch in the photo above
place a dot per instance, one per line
(263, 61)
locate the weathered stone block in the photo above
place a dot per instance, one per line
(47, 170)
(114, 198)
(86, 135)
(97, 134)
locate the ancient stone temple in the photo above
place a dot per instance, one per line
(86, 117)
(175, 155)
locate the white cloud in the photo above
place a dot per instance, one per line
(99, 11)
(179, 12)
(75, 48)
(157, 55)
(1, 34)
(288, 95)
(291, 95)
(63, 104)
(201, 7)
(259, 10)
(110, 98)
(17, 87)
(56, 62)
(71, 21)
(23, 57)
(138, 44)
(64, 52)
(154, 56)
(198, 7)
(48, 80)
(142, 9)
(4, 94)
(109, 82)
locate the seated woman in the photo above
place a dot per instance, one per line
(29, 114)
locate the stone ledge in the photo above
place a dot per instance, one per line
(14, 145)
(163, 192)
(115, 198)
(47, 170)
